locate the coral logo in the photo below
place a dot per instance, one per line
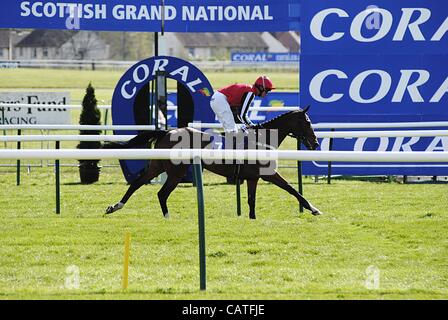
(205, 92)
(126, 109)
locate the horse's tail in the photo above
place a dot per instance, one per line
(141, 140)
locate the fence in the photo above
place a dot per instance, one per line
(122, 65)
(331, 135)
(214, 154)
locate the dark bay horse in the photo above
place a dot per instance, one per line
(296, 124)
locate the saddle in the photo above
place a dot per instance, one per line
(235, 141)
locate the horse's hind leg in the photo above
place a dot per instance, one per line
(155, 168)
(278, 180)
(251, 194)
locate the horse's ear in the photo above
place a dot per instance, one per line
(306, 109)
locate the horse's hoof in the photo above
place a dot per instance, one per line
(166, 215)
(317, 212)
(109, 210)
(115, 207)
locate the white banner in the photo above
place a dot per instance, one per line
(49, 113)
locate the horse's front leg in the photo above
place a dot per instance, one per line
(174, 177)
(251, 195)
(279, 181)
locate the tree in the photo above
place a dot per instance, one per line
(90, 115)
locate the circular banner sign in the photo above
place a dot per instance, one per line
(126, 106)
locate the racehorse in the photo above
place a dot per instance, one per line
(295, 123)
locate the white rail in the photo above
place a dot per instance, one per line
(48, 106)
(366, 125)
(342, 134)
(322, 125)
(170, 108)
(204, 125)
(74, 127)
(374, 134)
(86, 137)
(185, 154)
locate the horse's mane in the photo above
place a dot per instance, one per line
(262, 124)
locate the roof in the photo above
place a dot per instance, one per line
(17, 35)
(4, 38)
(287, 40)
(222, 39)
(46, 38)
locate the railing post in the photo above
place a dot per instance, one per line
(105, 117)
(3, 115)
(329, 162)
(299, 174)
(3, 122)
(197, 170)
(58, 188)
(237, 177)
(19, 132)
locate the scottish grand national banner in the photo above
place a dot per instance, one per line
(385, 62)
(150, 15)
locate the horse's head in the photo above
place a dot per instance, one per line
(304, 131)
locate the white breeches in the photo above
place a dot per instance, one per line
(221, 108)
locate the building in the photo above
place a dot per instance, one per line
(290, 40)
(211, 45)
(8, 40)
(62, 45)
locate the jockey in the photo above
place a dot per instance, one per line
(237, 98)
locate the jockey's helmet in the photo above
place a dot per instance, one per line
(264, 83)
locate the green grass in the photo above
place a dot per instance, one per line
(400, 229)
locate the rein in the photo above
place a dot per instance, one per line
(260, 126)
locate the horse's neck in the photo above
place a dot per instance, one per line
(282, 130)
(282, 133)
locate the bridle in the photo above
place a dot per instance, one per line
(301, 138)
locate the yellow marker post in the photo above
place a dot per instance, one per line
(127, 243)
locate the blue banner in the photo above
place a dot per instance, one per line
(265, 57)
(376, 88)
(382, 26)
(409, 144)
(376, 62)
(150, 15)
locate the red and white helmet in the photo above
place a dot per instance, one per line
(264, 83)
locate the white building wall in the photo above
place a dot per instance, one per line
(201, 53)
(85, 45)
(171, 46)
(273, 44)
(4, 53)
